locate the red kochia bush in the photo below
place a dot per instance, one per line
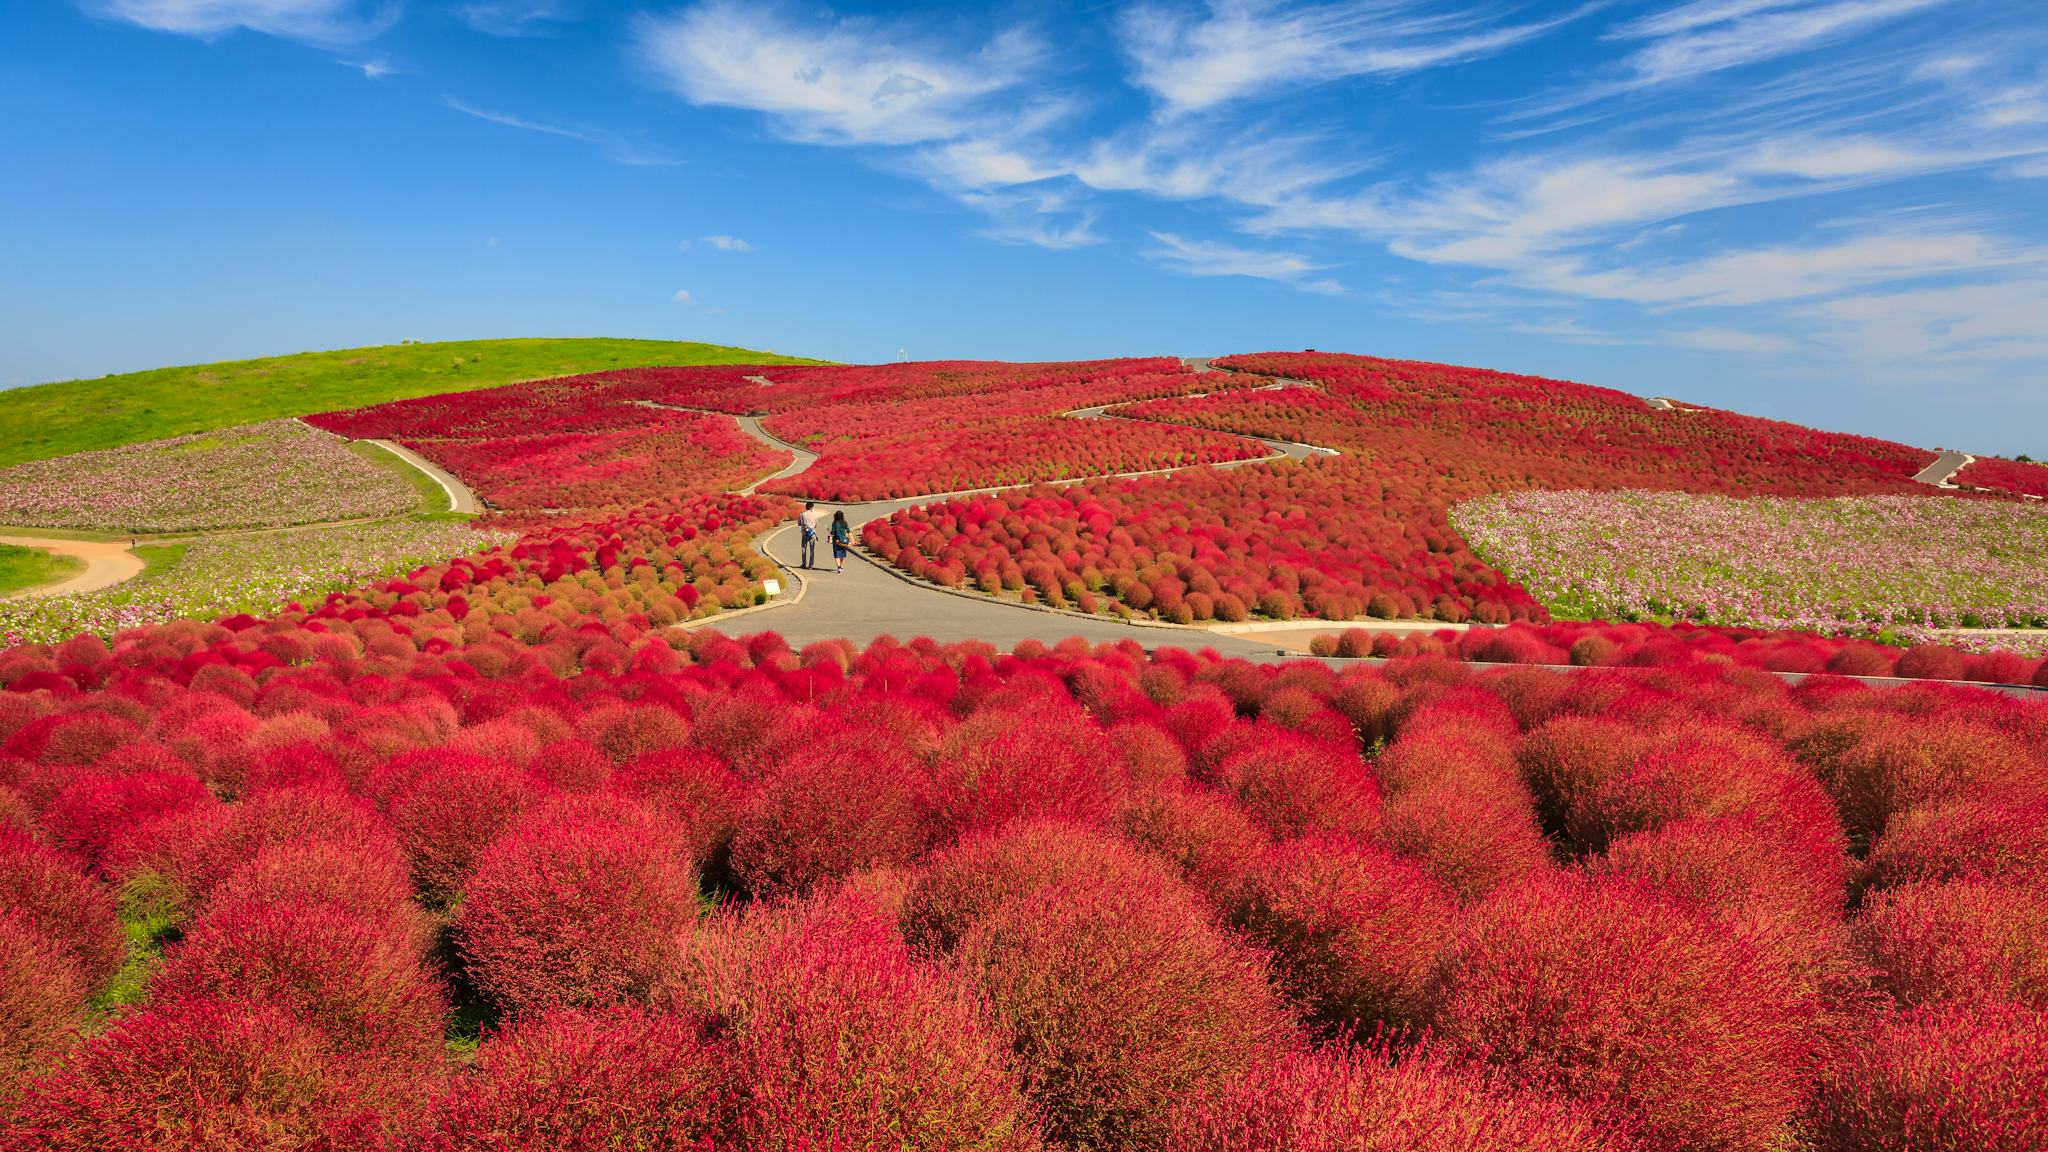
(574, 1080)
(1039, 761)
(368, 885)
(1969, 1079)
(1120, 991)
(1617, 996)
(450, 813)
(357, 982)
(1988, 839)
(1354, 930)
(1879, 766)
(1346, 1100)
(842, 1039)
(98, 813)
(1209, 840)
(578, 911)
(830, 810)
(1959, 942)
(1295, 786)
(72, 913)
(200, 1076)
(42, 999)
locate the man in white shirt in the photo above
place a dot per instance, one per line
(807, 523)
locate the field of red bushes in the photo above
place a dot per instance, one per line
(1368, 533)
(565, 444)
(2025, 477)
(359, 878)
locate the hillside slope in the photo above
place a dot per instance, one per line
(79, 415)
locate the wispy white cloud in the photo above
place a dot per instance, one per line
(616, 147)
(851, 80)
(322, 23)
(1193, 257)
(1703, 36)
(1740, 340)
(683, 297)
(519, 17)
(1987, 323)
(1240, 49)
(728, 244)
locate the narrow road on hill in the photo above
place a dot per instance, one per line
(460, 498)
(1942, 472)
(872, 598)
(107, 563)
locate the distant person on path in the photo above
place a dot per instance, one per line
(842, 539)
(807, 523)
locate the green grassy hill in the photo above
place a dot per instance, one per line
(79, 415)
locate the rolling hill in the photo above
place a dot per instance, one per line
(48, 420)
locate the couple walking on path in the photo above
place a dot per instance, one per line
(842, 535)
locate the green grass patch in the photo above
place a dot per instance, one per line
(150, 912)
(158, 559)
(433, 497)
(80, 415)
(32, 567)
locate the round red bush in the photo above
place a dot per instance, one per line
(1966, 1079)
(1988, 839)
(1209, 840)
(1120, 991)
(366, 884)
(1569, 758)
(1471, 840)
(1930, 662)
(1884, 765)
(1614, 995)
(97, 812)
(576, 1080)
(201, 1076)
(359, 983)
(1958, 942)
(1353, 930)
(450, 813)
(829, 811)
(1038, 761)
(70, 911)
(42, 1002)
(1345, 1100)
(1294, 786)
(576, 911)
(842, 1039)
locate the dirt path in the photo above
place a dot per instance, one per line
(1942, 472)
(107, 563)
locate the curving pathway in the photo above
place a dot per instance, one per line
(871, 598)
(1942, 473)
(107, 563)
(460, 498)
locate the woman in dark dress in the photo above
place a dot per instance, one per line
(842, 540)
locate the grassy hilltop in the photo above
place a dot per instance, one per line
(48, 420)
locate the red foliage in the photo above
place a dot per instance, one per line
(450, 812)
(1119, 989)
(2020, 476)
(836, 806)
(588, 1080)
(1618, 997)
(202, 1076)
(1042, 761)
(356, 982)
(1354, 931)
(844, 1040)
(1342, 1100)
(42, 1001)
(1294, 786)
(1987, 839)
(49, 896)
(576, 911)
(1958, 942)
(1971, 1079)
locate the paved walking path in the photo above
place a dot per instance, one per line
(460, 498)
(1942, 472)
(107, 563)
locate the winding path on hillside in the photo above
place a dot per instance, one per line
(460, 498)
(107, 563)
(872, 598)
(1942, 472)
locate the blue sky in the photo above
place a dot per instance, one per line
(1833, 211)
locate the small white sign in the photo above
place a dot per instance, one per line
(774, 587)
